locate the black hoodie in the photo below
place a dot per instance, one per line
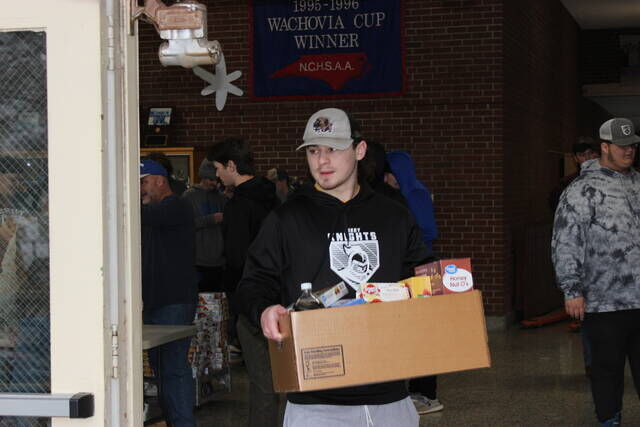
(243, 214)
(314, 237)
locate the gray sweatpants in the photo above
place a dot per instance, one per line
(398, 414)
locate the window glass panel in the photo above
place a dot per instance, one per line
(24, 225)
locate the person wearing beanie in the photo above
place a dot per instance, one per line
(208, 205)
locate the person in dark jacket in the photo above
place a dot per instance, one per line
(253, 198)
(169, 287)
(314, 237)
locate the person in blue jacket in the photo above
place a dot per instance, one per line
(402, 176)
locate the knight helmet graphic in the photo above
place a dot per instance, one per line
(355, 261)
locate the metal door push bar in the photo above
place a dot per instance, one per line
(79, 405)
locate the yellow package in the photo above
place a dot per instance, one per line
(420, 286)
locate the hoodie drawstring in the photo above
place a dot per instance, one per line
(368, 415)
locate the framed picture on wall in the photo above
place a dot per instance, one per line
(181, 159)
(159, 116)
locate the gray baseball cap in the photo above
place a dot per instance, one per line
(330, 127)
(619, 131)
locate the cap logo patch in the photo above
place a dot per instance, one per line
(626, 130)
(322, 125)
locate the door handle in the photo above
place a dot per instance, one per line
(79, 405)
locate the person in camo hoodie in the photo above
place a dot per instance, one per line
(596, 256)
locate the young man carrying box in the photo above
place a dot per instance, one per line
(336, 230)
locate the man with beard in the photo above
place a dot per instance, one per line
(596, 255)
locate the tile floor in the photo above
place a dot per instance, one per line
(537, 379)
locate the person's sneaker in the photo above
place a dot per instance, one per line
(426, 406)
(613, 422)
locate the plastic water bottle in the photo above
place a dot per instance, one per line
(307, 300)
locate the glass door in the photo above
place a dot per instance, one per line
(69, 263)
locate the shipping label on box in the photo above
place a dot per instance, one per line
(448, 276)
(322, 350)
(322, 362)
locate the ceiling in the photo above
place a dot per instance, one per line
(601, 14)
(620, 100)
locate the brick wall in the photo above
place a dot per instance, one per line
(539, 124)
(450, 119)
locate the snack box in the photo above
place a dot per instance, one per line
(372, 343)
(448, 276)
(384, 292)
(329, 296)
(419, 286)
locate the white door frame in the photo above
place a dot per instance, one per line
(93, 201)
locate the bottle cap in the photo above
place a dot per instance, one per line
(306, 286)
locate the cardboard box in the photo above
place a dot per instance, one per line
(448, 276)
(370, 343)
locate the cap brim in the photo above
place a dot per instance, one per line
(142, 175)
(336, 144)
(623, 142)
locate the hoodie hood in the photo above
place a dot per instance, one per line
(326, 200)
(403, 169)
(592, 165)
